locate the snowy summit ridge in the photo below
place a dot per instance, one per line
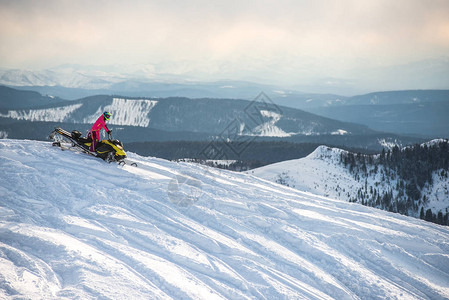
(73, 226)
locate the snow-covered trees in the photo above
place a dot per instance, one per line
(407, 172)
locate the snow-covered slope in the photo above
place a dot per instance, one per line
(54, 114)
(131, 112)
(72, 226)
(126, 112)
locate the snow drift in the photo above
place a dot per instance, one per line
(72, 226)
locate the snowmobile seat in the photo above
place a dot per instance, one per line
(76, 134)
(85, 140)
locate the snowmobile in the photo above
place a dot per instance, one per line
(109, 150)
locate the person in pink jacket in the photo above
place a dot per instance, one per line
(96, 128)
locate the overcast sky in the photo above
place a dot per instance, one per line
(280, 38)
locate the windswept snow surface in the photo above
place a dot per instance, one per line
(73, 226)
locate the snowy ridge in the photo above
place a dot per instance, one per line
(433, 142)
(319, 173)
(324, 152)
(322, 173)
(72, 226)
(389, 144)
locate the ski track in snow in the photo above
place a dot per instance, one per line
(73, 226)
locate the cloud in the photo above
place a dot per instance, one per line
(292, 38)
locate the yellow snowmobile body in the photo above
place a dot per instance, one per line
(111, 150)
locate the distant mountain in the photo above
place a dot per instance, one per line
(74, 82)
(184, 119)
(16, 99)
(425, 119)
(414, 112)
(307, 101)
(411, 181)
(258, 118)
(406, 112)
(331, 101)
(399, 97)
(71, 77)
(16, 77)
(311, 78)
(140, 88)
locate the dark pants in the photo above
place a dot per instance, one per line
(95, 135)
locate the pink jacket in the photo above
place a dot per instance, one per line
(100, 123)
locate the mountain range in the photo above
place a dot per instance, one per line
(410, 112)
(13, 98)
(420, 113)
(73, 82)
(198, 115)
(161, 119)
(126, 79)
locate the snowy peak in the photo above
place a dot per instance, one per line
(434, 142)
(326, 153)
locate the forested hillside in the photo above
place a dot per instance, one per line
(414, 174)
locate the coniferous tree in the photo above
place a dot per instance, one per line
(429, 215)
(440, 219)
